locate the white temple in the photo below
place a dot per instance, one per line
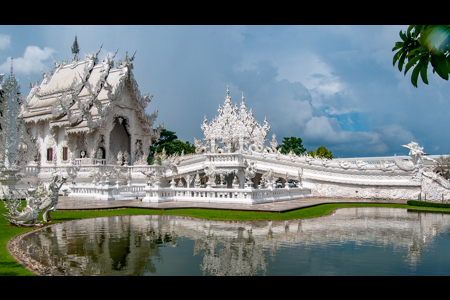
(88, 113)
(86, 120)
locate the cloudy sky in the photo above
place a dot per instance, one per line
(332, 86)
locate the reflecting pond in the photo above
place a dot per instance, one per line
(351, 241)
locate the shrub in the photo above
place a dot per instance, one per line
(427, 204)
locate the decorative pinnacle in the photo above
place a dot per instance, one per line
(243, 106)
(228, 98)
(11, 75)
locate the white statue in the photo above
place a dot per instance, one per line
(120, 158)
(99, 153)
(269, 178)
(126, 157)
(417, 155)
(210, 172)
(28, 216)
(150, 175)
(300, 177)
(197, 181)
(180, 183)
(50, 199)
(250, 172)
(72, 172)
(235, 181)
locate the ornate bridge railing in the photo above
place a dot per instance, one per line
(224, 195)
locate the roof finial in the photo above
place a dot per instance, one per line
(228, 98)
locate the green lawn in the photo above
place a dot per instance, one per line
(10, 267)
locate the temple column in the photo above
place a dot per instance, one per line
(241, 177)
(213, 146)
(241, 144)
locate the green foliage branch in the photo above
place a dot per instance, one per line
(295, 145)
(169, 141)
(420, 46)
(321, 152)
(292, 143)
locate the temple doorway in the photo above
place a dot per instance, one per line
(119, 138)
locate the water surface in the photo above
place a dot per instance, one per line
(352, 241)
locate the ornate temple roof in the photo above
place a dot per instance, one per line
(79, 93)
(235, 127)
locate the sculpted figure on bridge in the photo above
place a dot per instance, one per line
(417, 156)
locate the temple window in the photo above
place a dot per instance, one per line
(49, 154)
(65, 152)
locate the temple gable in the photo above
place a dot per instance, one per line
(89, 109)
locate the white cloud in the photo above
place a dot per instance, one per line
(31, 62)
(325, 131)
(5, 41)
(328, 91)
(303, 67)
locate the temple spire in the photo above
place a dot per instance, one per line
(243, 105)
(228, 98)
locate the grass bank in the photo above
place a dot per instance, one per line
(10, 267)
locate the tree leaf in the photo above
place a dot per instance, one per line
(396, 57)
(440, 64)
(411, 63)
(435, 37)
(421, 50)
(398, 45)
(401, 61)
(403, 36)
(415, 74)
(418, 30)
(423, 63)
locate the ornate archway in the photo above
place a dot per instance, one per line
(119, 138)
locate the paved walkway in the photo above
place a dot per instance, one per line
(69, 203)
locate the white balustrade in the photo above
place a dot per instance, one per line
(108, 192)
(223, 195)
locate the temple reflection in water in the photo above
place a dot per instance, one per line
(140, 245)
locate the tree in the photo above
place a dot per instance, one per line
(75, 49)
(292, 143)
(324, 152)
(422, 45)
(169, 141)
(321, 152)
(443, 166)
